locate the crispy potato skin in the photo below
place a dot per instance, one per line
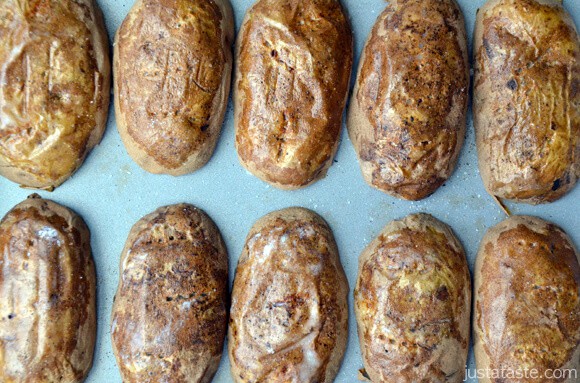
(172, 66)
(169, 317)
(527, 99)
(289, 315)
(527, 276)
(54, 98)
(47, 295)
(294, 60)
(407, 115)
(412, 303)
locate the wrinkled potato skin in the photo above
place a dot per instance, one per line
(173, 64)
(294, 60)
(527, 99)
(54, 100)
(289, 314)
(527, 276)
(408, 112)
(169, 317)
(413, 303)
(47, 295)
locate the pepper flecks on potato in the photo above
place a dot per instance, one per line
(527, 99)
(289, 314)
(413, 302)
(408, 111)
(54, 96)
(294, 60)
(172, 66)
(527, 301)
(169, 316)
(47, 295)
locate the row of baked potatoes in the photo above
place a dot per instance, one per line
(288, 318)
(407, 117)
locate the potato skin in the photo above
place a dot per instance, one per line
(408, 112)
(294, 60)
(169, 316)
(412, 303)
(289, 314)
(172, 65)
(54, 98)
(527, 99)
(527, 276)
(47, 295)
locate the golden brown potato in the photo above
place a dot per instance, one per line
(408, 112)
(47, 295)
(289, 315)
(527, 99)
(527, 302)
(412, 303)
(294, 59)
(172, 66)
(169, 317)
(54, 97)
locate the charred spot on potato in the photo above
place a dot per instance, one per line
(556, 185)
(512, 84)
(488, 49)
(442, 293)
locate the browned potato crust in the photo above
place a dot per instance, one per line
(527, 302)
(294, 59)
(169, 317)
(173, 63)
(527, 99)
(289, 314)
(412, 303)
(408, 112)
(47, 295)
(54, 98)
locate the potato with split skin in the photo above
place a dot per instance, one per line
(527, 99)
(294, 59)
(47, 295)
(527, 301)
(413, 302)
(172, 67)
(54, 96)
(169, 316)
(289, 314)
(408, 112)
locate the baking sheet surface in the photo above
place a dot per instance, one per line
(111, 193)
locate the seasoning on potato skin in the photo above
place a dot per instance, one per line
(412, 303)
(527, 99)
(173, 64)
(527, 300)
(294, 59)
(47, 295)
(54, 98)
(289, 315)
(169, 317)
(408, 112)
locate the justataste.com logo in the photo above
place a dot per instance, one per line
(520, 373)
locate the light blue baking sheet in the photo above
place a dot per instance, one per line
(111, 192)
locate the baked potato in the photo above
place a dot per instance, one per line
(172, 68)
(169, 317)
(54, 98)
(527, 302)
(289, 314)
(413, 302)
(294, 59)
(408, 112)
(527, 99)
(47, 295)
